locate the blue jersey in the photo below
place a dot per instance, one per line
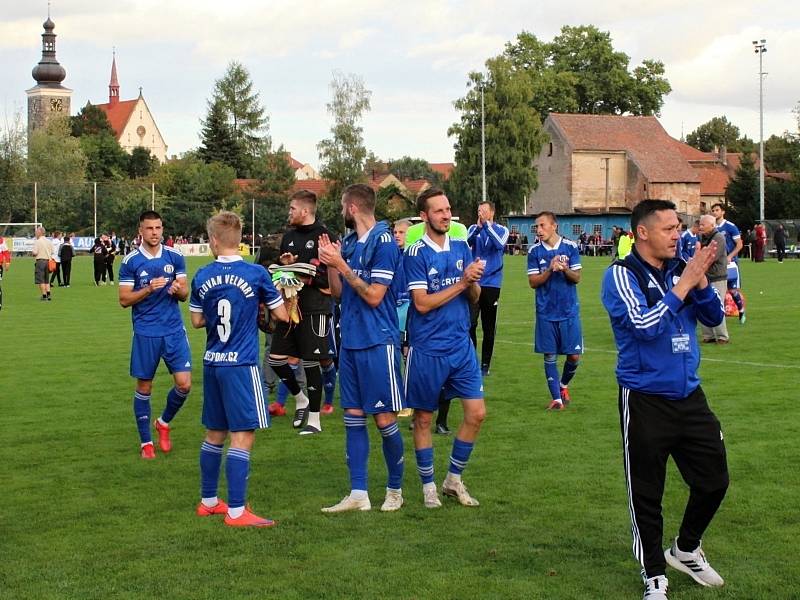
(431, 268)
(686, 245)
(374, 258)
(158, 314)
(488, 242)
(228, 292)
(557, 298)
(732, 235)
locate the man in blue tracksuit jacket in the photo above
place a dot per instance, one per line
(487, 240)
(654, 301)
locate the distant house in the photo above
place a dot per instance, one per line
(132, 121)
(302, 171)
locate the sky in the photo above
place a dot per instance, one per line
(414, 57)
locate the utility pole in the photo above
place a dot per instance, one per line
(483, 147)
(760, 47)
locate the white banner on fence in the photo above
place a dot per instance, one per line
(193, 249)
(25, 245)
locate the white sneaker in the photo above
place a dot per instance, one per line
(349, 503)
(655, 588)
(694, 564)
(431, 496)
(393, 501)
(457, 489)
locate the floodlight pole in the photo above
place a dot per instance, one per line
(483, 147)
(253, 240)
(152, 196)
(35, 202)
(760, 47)
(95, 209)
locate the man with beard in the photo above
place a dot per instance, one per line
(306, 341)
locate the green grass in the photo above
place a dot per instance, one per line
(83, 517)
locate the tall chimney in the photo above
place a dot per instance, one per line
(723, 155)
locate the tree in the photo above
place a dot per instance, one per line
(141, 163)
(742, 194)
(57, 163)
(15, 202)
(782, 153)
(90, 121)
(243, 111)
(514, 137)
(579, 71)
(716, 133)
(106, 160)
(407, 167)
(342, 155)
(274, 180)
(219, 143)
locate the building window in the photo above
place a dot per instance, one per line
(702, 208)
(597, 229)
(550, 149)
(533, 228)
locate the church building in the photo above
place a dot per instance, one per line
(48, 98)
(132, 121)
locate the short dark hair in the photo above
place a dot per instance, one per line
(645, 209)
(307, 197)
(548, 214)
(149, 215)
(488, 203)
(422, 199)
(713, 206)
(361, 195)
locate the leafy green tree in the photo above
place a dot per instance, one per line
(219, 143)
(190, 191)
(742, 195)
(407, 167)
(90, 120)
(141, 163)
(106, 160)
(781, 199)
(716, 133)
(514, 137)
(782, 153)
(274, 180)
(57, 163)
(342, 155)
(243, 111)
(16, 204)
(579, 71)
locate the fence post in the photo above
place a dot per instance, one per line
(152, 196)
(95, 209)
(35, 202)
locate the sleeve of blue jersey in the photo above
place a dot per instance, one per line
(384, 262)
(533, 265)
(180, 264)
(126, 274)
(269, 294)
(574, 257)
(414, 266)
(195, 304)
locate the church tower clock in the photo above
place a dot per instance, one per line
(48, 98)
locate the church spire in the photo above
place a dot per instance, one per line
(49, 72)
(113, 86)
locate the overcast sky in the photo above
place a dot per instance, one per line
(413, 55)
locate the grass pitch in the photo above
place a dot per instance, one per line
(83, 517)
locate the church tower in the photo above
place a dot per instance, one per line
(113, 86)
(48, 98)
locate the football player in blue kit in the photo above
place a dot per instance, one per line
(443, 281)
(225, 300)
(152, 280)
(554, 271)
(360, 272)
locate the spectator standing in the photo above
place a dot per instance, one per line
(57, 240)
(717, 275)
(663, 410)
(780, 242)
(42, 253)
(487, 240)
(67, 253)
(99, 252)
(111, 252)
(761, 241)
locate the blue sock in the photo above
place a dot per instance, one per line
(459, 456)
(569, 371)
(425, 464)
(329, 382)
(393, 453)
(237, 468)
(737, 300)
(210, 461)
(175, 400)
(551, 373)
(357, 447)
(141, 410)
(282, 394)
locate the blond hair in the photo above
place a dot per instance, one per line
(226, 228)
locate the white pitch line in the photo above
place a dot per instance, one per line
(719, 360)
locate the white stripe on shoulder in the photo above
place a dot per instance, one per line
(414, 248)
(129, 256)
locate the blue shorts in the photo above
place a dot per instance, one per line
(233, 398)
(146, 352)
(457, 374)
(558, 337)
(734, 280)
(369, 379)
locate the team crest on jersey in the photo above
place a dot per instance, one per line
(310, 244)
(435, 285)
(460, 264)
(675, 279)
(168, 268)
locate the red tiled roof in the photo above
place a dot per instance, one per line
(415, 186)
(691, 153)
(118, 113)
(714, 179)
(444, 169)
(318, 186)
(643, 139)
(294, 163)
